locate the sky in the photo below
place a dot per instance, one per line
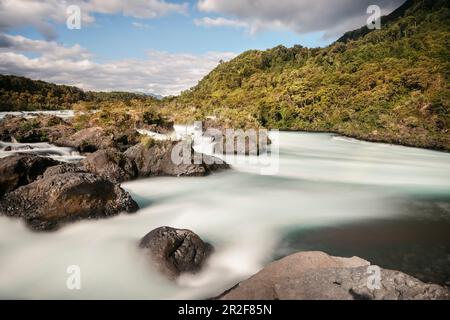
(160, 46)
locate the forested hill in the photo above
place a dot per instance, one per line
(397, 13)
(387, 85)
(19, 93)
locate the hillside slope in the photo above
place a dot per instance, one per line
(389, 85)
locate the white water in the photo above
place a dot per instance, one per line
(43, 149)
(323, 180)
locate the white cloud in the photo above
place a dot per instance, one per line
(220, 22)
(49, 49)
(302, 16)
(41, 13)
(140, 25)
(160, 73)
(134, 8)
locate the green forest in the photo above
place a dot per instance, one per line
(389, 85)
(23, 94)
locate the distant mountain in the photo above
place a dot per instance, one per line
(389, 85)
(157, 96)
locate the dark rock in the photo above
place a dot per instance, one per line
(22, 169)
(64, 168)
(125, 139)
(110, 164)
(53, 200)
(318, 276)
(97, 138)
(156, 160)
(88, 140)
(58, 132)
(175, 251)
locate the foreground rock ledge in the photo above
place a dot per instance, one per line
(175, 251)
(22, 169)
(110, 164)
(53, 200)
(318, 276)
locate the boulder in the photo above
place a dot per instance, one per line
(318, 276)
(97, 138)
(57, 132)
(125, 139)
(156, 160)
(64, 168)
(110, 164)
(352, 284)
(175, 251)
(52, 200)
(88, 140)
(22, 169)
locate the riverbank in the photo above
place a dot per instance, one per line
(377, 139)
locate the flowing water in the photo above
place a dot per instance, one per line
(388, 204)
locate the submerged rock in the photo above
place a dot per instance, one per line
(318, 276)
(48, 202)
(156, 160)
(175, 251)
(110, 164)
(22, 169)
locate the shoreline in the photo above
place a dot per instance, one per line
(373, 140)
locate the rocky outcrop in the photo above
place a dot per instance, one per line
(156, 160)
(175, 251)
(98, 138)
(125, 139)
(88, 140)
(22, 169)
(42, 128)
(53, 200)
(64, 168)
(110, 164)
(318, 276)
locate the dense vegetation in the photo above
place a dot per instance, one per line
(386, 85)
(19, 93)
(121, 114)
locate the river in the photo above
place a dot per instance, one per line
(388, 204)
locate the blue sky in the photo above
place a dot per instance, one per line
(166, 45)
(114, 36)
